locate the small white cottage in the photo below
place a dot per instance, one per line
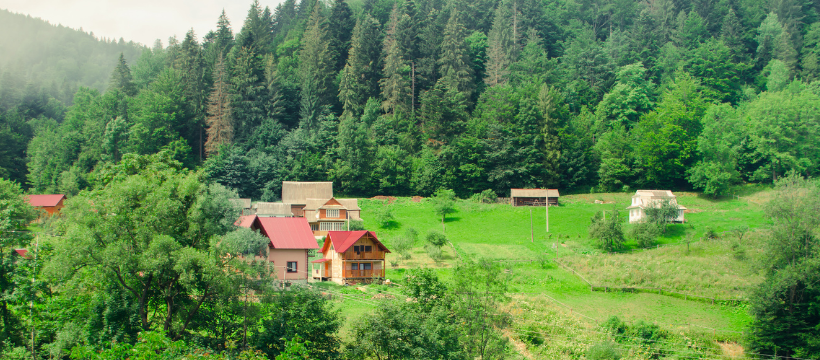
(644, 199)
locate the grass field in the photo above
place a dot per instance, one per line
(717, 268)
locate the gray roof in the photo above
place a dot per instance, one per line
(273, 209)
(534, 193)
(244, 203)
(298, 192)
(349, 204)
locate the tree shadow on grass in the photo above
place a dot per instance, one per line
(391, 225)
(450, 219)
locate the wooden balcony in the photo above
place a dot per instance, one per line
(373, 255)
(364, 273)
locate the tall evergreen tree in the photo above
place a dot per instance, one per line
(219, 121)
(394, 83)
(224, 34)
(360, 77)
(454, 64)
(121, 78)
(248, 93)
(315, 69)
(191, 66)
(502, 43)
(549, 99)
(340, 30)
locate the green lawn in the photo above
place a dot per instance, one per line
(507, 234)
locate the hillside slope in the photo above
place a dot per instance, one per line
(35, 51)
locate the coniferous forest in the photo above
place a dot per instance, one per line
(381, 97)
(406, 97)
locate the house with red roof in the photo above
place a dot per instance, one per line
(291, 240)
(350, 257)
(51, 203)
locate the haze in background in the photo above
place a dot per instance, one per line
(141, 21)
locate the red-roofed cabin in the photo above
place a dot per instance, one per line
(351, 257)
(51, 203)
(290, 241)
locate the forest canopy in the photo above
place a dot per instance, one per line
(408, 97)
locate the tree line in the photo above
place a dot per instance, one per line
(407, 97)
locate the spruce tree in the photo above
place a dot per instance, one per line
(549, 99)
(394, 83)
(121, 78)
(340, 29)
(361, 74)
(219, 120)
(501, 41)
(315, 71)
(730, 33)
(454, 64)
(191, 66)
(248, 93)
(224, 34)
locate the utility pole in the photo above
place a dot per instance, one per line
(31, 301)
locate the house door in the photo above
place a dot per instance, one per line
(327, 269)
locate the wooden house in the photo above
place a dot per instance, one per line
(644, 199)
(351, 257)
(315, 202)
(291, 242)
(533, 197)
(51, 203)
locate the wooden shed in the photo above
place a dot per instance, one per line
(533, 197)
(51, 203)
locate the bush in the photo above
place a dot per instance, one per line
(645, 234)
(710, 234)
(356, 225)
(487, 197)
(436, 238)
(383, 216)
(402, 245)
(434, 252)
(603, 351)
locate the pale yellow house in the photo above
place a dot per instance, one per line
(644, 199)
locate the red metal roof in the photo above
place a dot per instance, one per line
(320, 260)
(45, 200)
(22, 252)
(343, 240)
(245, 221)
(287, 233)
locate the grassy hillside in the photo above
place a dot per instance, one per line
(716, 268)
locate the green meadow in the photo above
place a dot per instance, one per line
(517, 238)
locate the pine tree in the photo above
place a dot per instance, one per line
(314, 68)
(224, 34)
(340, 29)
(501, 51)
(730, 33)
(454, 64)
(121, 78)
(549, 99)
(257, 29)
(394, 83)
(247, 90)
(430, 38)
(219, 121)
(191, 65)
(360, 76)
(784, 51)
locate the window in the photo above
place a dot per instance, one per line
(366, 266)
(368, 248)
(354, 266)
(332, 213)
(332, 226)
(357, 248)
(292, 266)
(314, 227)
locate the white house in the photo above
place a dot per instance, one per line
(644, 199)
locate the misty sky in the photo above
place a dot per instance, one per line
(139, 20)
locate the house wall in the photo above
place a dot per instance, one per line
(336, 267)
(280, 258)
(297, 210)
(636, 215)
(323, 214)
(354, 214)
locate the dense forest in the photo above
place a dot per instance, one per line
(406, 97)
(41, 68)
